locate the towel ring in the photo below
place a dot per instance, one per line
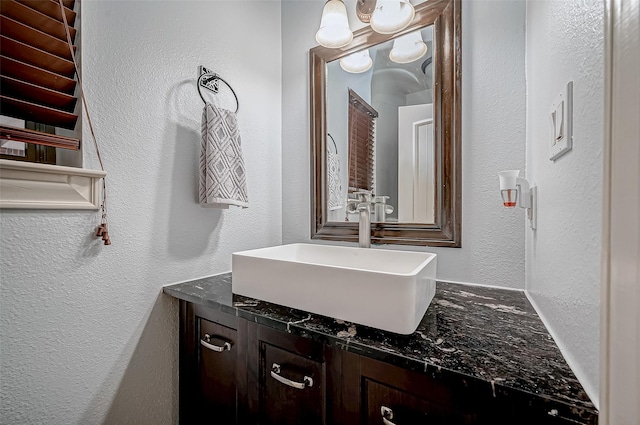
(334, 142)
(201, 83)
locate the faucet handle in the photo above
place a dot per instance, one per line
(382, 200)
(363, 195)
(356, 206)
(352, 206)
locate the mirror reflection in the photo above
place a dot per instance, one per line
(380, 131)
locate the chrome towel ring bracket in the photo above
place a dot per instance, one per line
(211, 81)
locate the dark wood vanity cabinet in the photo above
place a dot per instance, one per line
(236, 371)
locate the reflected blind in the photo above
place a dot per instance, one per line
(36, 70)
(361, 143)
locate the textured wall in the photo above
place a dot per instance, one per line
(493, 136)
(87, 337)
(565, 42)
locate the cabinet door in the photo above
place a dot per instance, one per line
(290, 386)
(210, 370)
(217, 373)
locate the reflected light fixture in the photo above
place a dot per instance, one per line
(334, 29)
(408, 48)
(357, 62)
(391, 16)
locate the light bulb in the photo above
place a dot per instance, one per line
(392, 16)
(408, 48)
(334, 29)
(357, 62)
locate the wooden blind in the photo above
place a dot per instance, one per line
(36, 70)
(361, 143)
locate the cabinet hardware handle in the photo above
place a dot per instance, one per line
(206, 342)
(275, 374)
(387, 414)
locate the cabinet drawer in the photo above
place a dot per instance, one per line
(390, 406)
(292, 388)
(286, 378)
(400, 396)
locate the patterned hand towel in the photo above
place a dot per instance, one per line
(334, 183)
(223, 179)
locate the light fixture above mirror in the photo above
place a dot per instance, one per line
(334, 31)
(385, 16)
(391, 16)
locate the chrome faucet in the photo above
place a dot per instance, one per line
(362, 205)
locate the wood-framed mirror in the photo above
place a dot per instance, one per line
(415, 132)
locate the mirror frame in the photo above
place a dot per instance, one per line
(445, 16)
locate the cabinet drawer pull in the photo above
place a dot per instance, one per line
(206, 342)
(275, 373)
(387, 414)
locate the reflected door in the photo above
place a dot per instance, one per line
(416, 167)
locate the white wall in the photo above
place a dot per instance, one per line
(493, 136)
(565, 42)
(386, 98)
(87, 337)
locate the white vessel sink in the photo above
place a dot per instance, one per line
(388, 290)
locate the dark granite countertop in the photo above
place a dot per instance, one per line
(492, 335)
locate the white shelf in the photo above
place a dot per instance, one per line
(29, 185)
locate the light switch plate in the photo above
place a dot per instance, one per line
(561, 117)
